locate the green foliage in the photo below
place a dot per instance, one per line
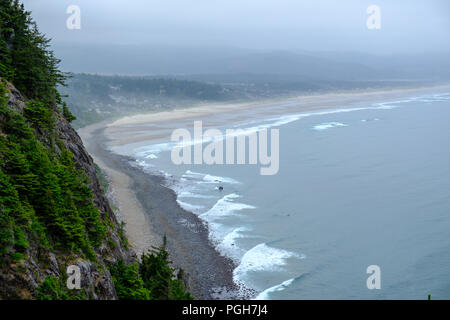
(128, 282)
(104, 183)
(17, 256)
(25, 56)
(43, 197)
(67, 114)
(178, 291)
(53, 288)
(123, 238)
(45, 201)
(94, 98)
(40, 115)
(156, 272)
(152, 279)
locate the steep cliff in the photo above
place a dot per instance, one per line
(59, 238)
(42, 268)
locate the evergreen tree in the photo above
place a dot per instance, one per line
(156, 272)
(128, 282)
(26, 59)
(45, 201)
(158, 275)
(67, 114)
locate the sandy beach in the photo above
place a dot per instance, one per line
(159, 125)
(150, 210)
(123, 197)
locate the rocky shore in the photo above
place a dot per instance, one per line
(207, 274)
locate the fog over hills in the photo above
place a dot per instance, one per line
(173, 60)
(181, 53)
(305, 40)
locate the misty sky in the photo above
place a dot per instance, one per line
(406, 25)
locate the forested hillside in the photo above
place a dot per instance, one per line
(53, 211)
(94, 98)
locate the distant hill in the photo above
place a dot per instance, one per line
(93, 98)
(183, 61)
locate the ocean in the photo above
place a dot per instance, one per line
(356, 187)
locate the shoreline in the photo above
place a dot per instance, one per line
(308, 102)
(158, 125)
(150, 209)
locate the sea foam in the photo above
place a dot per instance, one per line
(190, 207)
(265, 295)
(225, 207)
(229, 247)
(207, 178)
(328, 125)
(262, 258)
(153, 150)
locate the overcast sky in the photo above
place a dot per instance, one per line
(325, 25)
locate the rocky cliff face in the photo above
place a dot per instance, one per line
(21, 280)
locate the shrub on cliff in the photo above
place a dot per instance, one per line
(158, 275)
(128, 282)
(25, 59)
(43, 197)
(40, 115)
(53, 288)
(46, 203)
(151, 279)
(67, 113)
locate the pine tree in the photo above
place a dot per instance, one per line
(158, 275)
(128, 282)
(25, 56)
